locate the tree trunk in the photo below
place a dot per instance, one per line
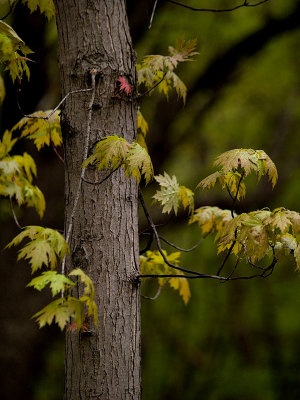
(94, 38)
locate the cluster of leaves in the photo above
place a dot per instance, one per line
(41, 131)
(153, 263)
(13, 52)
(159, 70)
(210, 219)
(45, 248)
(171, 195)
(237, 164)
(113, 152)
(66, 307)
(256, 234)
(16, 175)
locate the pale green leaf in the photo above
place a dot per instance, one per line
(138, 162)
(43, 132)
(46, 246)
(153, 263)
(58, 282)
(110, 152)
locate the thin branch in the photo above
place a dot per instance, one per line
(226, 258)
(148, 246)
(152, 225)
(153, 87)
(155, 296)
(56, 108)
(236, 194)
(229, 192)
(234, 268)
(215, 10)
(176, 247)
(87, 139)
(14, 214)
(58, 155)
(102, 180)
(152, 14)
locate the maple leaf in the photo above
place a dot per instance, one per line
(43, 132)
(89, 293)
(61, 311)
(10, 46)
(171, 195)
(124, 85)
(6, 144)
(58, 282)
(158, 70)
(138, 162)
(142, 124)
(153, 263)
(248, 160)
(46, 7)
(46, 246)
(210, 219)
(110, 152)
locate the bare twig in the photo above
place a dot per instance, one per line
(155, 296)
(236, 194)
(153, 87)
(58, 155)
(56, 108)
(148, 246)
(152, 225)
(14, 214)
(214, 10)
(226, 257)
(177, 247)
(102, 180)
(152, 14)
(88, 131)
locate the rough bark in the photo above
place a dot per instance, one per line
(94, 35)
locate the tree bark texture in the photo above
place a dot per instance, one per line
(94, 38)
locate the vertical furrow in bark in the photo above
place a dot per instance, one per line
(104, 236)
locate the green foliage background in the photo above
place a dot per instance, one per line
(238, 340)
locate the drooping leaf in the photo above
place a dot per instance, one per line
(58, 282)
(158, 71)
(45, 6)
(110, 153)
(153, 263)
(210, 219)
(13, 52)
(113, 152)
(44, 132)
(248, 160)
(138, 162)
(6, 144)
(142, 124)
(89, 293)
(46, 247)
(61, 311)
(232, 181)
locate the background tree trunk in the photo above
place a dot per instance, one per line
(104, 364)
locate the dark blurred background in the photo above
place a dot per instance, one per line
(238, 340)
